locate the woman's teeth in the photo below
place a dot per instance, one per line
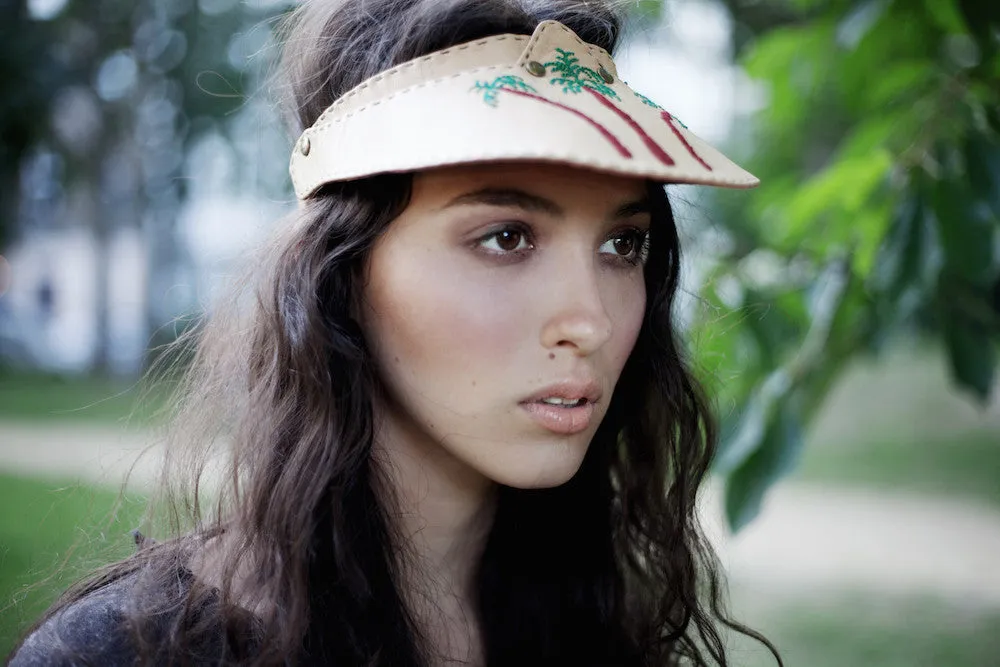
(564, 401)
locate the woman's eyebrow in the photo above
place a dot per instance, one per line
(515, 198)
(508, 197)
(628, 209)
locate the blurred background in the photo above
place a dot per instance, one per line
(845, 314)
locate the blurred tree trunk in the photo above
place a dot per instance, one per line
(91, 212)
(27, 78)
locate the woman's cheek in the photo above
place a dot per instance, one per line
(448, 318)
(627, 310)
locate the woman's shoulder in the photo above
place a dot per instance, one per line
(151, 600)
(91, 630)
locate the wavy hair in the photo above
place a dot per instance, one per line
(609, 568)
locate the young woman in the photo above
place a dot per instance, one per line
(459, 427)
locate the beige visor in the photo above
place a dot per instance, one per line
(549, 97)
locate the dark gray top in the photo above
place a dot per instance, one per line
(93, 631)
(90, 631)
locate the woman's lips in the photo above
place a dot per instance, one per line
(561, 419)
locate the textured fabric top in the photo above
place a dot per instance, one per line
(94, 630)
(90, 631)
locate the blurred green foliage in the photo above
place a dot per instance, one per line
(879, 213)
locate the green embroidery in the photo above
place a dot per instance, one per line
(574, 78)
(648, 102)
(490, 89)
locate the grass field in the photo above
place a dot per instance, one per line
(25, 396)
(53, 534)
(899, 423)
(963, 466)
(856, 629)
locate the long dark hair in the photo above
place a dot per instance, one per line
(609, 568)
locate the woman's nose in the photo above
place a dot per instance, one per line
(577, 316)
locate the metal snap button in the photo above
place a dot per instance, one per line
(305, 146)
(605, 74)
(535, 68)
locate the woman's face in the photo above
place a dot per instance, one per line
(501, 290)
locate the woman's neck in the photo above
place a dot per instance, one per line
(443, 511)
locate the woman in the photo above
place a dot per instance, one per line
(460, 428)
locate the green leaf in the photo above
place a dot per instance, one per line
(873, 133)
(946, 15)
(905, 258)
(870, 225)
(807, 5)
(750, 434)
(772, 53)
(967, 232)
(972, 354)
(982, 164)
(778, 450)
(859, 21)
(900, 83)
(774, 319)
(845, 187)
(794, 61)
(981, 18)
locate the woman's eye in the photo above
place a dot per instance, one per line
(630, 245)
(505, 241)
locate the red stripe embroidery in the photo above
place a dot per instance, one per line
(665, 115)
(622, 150)
(653, 147)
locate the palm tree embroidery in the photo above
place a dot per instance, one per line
(645, 100)
(509, 83)
(515, 85)
(575, 78)
(671, 119)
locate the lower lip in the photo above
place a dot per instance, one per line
(565, 421)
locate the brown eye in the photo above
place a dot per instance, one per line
(628, 246)
(624, 245)
(509, 240)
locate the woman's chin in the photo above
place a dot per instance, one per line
(539, 472)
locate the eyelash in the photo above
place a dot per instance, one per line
(636, 257)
